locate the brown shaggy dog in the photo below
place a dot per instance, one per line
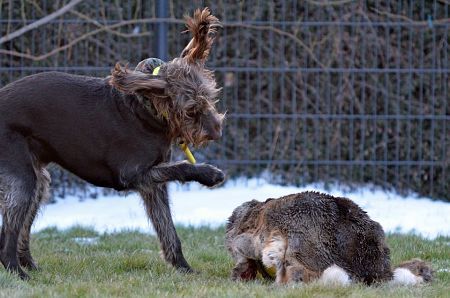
(313, 236)
(112, 132)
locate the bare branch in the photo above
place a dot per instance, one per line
(330, 3)
(152, 20)
(405, 18)
(106, 28)
(40, 22)
(280, 32)
(36, 6)
(86, 35)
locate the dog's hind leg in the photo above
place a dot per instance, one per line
(17, 190)
(41, 194)
(156, 201)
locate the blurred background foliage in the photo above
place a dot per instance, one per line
(346, 92)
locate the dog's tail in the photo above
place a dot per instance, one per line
(412, 272)
(203, 26)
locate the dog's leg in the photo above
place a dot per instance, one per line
(274, 254)
(17, 190)
(156, 201)
(24, 254)
(245, 254)
(16, 203)
(184, 171)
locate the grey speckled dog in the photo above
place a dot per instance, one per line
(113, 132)
(313, 236)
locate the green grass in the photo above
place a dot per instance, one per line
(127, 264)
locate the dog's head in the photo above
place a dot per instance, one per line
(421, 269)
(183, 92)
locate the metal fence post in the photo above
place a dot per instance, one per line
(161, 45)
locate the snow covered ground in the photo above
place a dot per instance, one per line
(195, 205)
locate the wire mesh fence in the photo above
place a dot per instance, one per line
(315, 91)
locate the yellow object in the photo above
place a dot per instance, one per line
(156, 71)
(272, 271)
(183, 146)
(188, 153)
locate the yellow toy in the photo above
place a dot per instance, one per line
(190, 157)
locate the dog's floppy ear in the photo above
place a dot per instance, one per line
(129, 81)
(203, 26)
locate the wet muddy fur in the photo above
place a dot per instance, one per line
(313, 236)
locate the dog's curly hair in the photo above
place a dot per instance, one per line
(183, 91)
(203, 27)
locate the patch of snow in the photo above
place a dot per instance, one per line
(196, 205)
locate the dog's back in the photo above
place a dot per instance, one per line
(323, 230)
(38, 102)
(81, 123)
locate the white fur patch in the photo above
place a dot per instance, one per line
(335, 276)
(273, 252)
(403, 276)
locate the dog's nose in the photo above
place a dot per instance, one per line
(213, 126)
(427, 276)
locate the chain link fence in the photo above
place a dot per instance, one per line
(348, 92)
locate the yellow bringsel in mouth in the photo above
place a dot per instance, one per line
(188, 153)
(190, 157)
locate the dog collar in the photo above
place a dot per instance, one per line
(183, 146)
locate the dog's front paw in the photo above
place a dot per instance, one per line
(210, 176)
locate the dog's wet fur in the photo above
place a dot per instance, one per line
(112, 132)
(312, 236)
